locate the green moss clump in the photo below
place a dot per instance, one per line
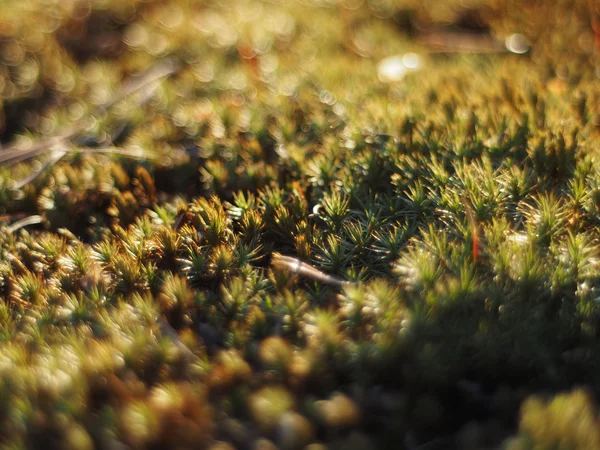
(567, 421)
(304, 224)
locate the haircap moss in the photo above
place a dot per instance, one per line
(303, 224)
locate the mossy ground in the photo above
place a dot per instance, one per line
(459, 204)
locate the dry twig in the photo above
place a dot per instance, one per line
(298, 267)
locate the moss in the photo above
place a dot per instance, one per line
(567, 420)
(304, 224)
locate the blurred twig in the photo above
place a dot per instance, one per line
(147, 82)
(169, 331)
(56, 156)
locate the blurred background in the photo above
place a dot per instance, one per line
(59, 58)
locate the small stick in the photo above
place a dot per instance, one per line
(9, 217)
(298, 267)
(31, 220)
